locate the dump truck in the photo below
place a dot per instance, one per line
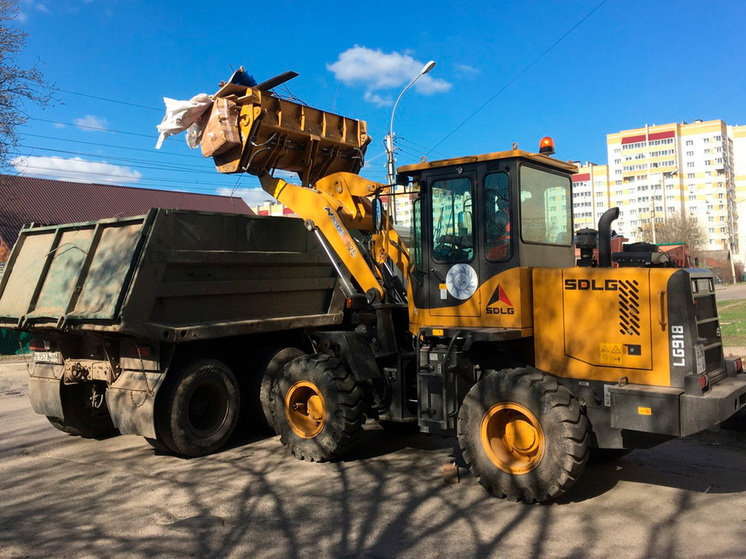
(485, 327)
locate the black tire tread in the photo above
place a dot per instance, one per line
(575, 435)
(79, 420)
(60, 425)
(343, 427)
(166, 432)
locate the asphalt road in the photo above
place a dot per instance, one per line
(62, 496)
(727, 292)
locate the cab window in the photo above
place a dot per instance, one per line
(416, 233)
(497, 217)
(452, 227)
(546, 215)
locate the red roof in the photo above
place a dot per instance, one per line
(49, 202)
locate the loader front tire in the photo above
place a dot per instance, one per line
(267, 368)
(319, 408)
(198, 408)
(524, 435)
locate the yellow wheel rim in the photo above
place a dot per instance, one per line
(512, 438)
(305, 409)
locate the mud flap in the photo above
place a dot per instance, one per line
(131, 402)
(44, 389)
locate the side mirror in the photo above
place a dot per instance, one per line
(377, 213)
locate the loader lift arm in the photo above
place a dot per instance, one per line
(337, 204)
(251, 130)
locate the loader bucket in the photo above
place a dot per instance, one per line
(280, 134)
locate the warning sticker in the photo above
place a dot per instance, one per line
(611, 354)
(443, 290)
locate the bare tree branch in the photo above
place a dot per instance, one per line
(677, 229)
(17, 85)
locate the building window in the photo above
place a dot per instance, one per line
(690, 142)
(707, 140)
(690, 175)
(690, 165)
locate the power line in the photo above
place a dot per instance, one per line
(515, 78)
(114, 175)
(146, 164)
(97, 128)
(106, 99)
(406, 141)
(153, 150)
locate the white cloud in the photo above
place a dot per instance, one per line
(75, 170)
(377, 100)
(466, 70)
(252, 196)
(59, 125)
(21, 17)
(36, 5)
(90, 123)
(376, 70)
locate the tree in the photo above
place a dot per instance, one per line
(677, 229)
(17, 85)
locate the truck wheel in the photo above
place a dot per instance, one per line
(265, 373)
(199, 408)
(57, 423)
(524, 435)
(86, 414)
(319, 408)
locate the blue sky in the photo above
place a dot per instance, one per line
(629, 63)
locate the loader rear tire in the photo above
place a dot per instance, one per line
(319, 408)
(524, 435)
(198, 408)
(82, 417)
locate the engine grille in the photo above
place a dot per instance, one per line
(629, 308)
(708, 330)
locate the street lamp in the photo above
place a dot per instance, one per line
(391, 177)
(664, 176)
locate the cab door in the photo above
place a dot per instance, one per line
(451, 241)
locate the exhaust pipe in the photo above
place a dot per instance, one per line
(604, 237)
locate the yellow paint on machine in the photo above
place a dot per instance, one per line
(486, 309)
(602, 323)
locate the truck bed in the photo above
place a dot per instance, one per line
(172, 275)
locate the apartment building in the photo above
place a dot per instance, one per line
(590, 194)
(678, 168)
(738, 136)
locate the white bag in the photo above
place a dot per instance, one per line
(181, 115)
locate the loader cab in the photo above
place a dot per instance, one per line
(476, 218)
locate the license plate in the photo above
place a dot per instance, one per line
(699, 354)
(54, 357)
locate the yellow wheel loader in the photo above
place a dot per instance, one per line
(482, 325)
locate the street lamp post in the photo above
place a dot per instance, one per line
(390, 171)
(664, 176)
